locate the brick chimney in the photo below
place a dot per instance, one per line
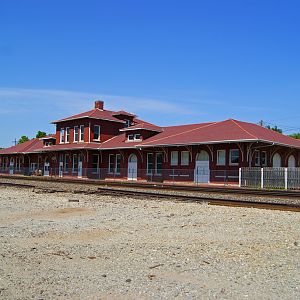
(99, 104)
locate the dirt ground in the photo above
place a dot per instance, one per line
(53, 247)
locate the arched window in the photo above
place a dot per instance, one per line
(202, 156)
(276, 160)
(292, 161)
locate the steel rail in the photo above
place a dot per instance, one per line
(161, 186)
(201, 199)
(171, 197)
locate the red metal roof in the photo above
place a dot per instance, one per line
(142, 125)
(203, 133)
(217, 132)
(123, 113)
(93, 114)
(26, 147)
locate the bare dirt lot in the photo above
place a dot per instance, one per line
(121, 248)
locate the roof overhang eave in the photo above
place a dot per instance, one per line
(87, 117)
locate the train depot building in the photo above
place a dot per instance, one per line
(116, 145)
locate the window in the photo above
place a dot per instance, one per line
(263, 158)
(75, 163)
(66, 163)
(257, 157)
(76, 132)
(114, 163)
(67, 134)
(33, 167)
(118, 164)
(130, 137)
(150, 164)
(221, 157)
(158, 166)
(127, 123)
(234, 157)
(95, 163)
(96, 133)
(174, 158)
(81, 133)
(111, 163)
(62, 135)
(185, 158)
(137, 136)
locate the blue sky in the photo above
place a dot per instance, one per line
(170, 62)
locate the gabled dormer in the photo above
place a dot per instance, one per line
(140, 131)
(48, 140)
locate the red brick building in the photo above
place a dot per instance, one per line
(105, 144)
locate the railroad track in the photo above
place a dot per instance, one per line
(163, 187)
(201, 199)
(166, 196)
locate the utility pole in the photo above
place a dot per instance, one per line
(15, 142)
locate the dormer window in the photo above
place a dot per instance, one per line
(134, 137)
(130, 137)
(127, 123)
(137, 137)
(62, 135)
(96, 133)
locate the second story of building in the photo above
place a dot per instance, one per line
(99, 125)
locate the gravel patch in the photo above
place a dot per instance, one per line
(76, 246)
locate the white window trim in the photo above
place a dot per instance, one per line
(266, 158)
(69, 135)
(218, 163)
(65, 163)
(181, 158)
(74, 135)
(130, 135)
(98, 139)
(80, 133)
(97, 171)
(73, 170)
(171, 161)
(109, 163)
(62, 136)
(156, 154)
(230, 155)
(118, 173)
(153, 168)
(259, 161)
(135, 138)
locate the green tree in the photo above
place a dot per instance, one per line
(275, 128)
(23, 139)
(40, 134)
(295, 135)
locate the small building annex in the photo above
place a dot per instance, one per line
(107, 145)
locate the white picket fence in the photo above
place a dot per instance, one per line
(270, 178)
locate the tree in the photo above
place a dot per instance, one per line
(295, 135)
(23, 139)
(275, 128)
(40, 134)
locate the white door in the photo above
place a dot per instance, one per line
(79, 169)
(11, 168)
(292, 161)
(46, 169)
(61, 168)
(202, 173)
(132, 167)
(132, 170)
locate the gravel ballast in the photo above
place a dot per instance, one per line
(76, 246)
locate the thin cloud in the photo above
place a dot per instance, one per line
(73, 102)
